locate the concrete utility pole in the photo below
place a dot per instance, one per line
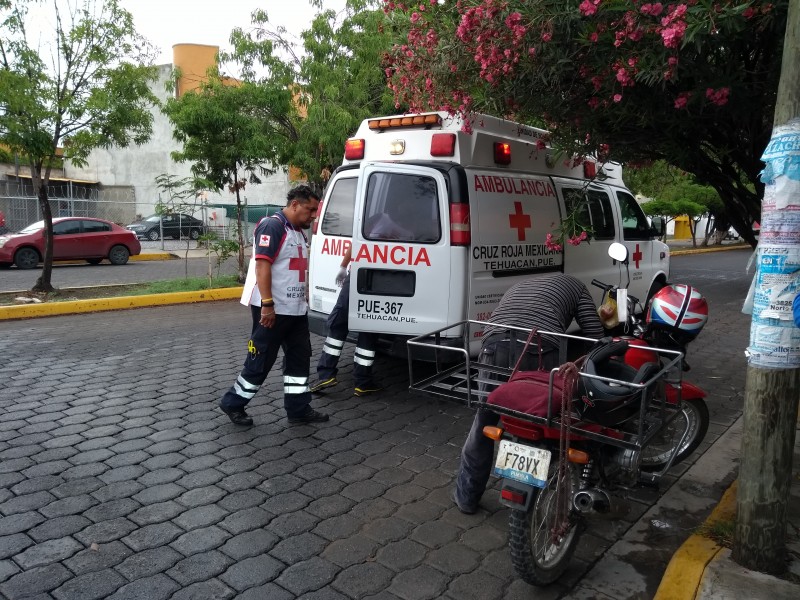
(773, 372)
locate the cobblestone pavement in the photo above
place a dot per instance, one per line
(119, 477)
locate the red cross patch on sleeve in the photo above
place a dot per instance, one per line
(263, 240)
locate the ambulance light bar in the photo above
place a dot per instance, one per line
(354, 149)
(443, 144)
(502, 153)
(426, 120)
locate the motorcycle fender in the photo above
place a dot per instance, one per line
(689, 391)
(512, 489)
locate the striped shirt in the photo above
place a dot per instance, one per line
(549, 303)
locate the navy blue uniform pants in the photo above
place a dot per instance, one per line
(290, 333)
(364, 354)
(478, 451)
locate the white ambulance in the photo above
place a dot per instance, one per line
(442, 222)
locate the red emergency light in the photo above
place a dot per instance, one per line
(354, 149)
(502, 153)
(589, 169)
(459, 225)
(443, 144)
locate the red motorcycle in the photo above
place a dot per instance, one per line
(573, 440)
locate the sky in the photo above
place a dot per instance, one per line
(169, 22)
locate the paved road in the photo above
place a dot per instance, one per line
(120, 479)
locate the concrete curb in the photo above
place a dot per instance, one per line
(708, 249)
(684, 573)
(153, 256)
(50, 309)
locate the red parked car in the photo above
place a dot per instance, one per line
(74, 238)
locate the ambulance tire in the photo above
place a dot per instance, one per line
(654, 289)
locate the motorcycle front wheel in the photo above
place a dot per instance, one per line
(540, 554)
(694, 417)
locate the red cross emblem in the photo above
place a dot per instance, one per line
(519, 221)
(299, 264)
(637, 256)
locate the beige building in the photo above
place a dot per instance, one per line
(138, 166)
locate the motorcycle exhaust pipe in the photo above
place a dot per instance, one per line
(592, 500)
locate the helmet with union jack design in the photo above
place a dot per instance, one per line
(679, 309)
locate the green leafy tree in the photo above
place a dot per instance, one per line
(692, 83)
(83, 85)
(672, 208)
(229, 134)
(665, 182)
(325, 84)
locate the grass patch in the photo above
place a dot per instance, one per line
(720, 531)
(192, 284)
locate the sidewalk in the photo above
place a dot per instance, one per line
(703, 570)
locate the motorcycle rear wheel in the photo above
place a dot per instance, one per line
(656, 454)
(538, 556)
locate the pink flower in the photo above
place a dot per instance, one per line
(718, 97)
(673, 34)
(547, 36)
(414, 17)
(551, 244)
(652, 9)
(588, 8)
(617, 97)
(593, 37)
(682, 100)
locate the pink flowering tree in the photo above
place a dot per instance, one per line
(692, 83)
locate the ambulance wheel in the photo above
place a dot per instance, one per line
(539, 553)
(658, 284)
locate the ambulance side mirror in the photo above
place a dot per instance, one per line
(659, 226)
(618, 252)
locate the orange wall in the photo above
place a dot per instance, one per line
(193, 60)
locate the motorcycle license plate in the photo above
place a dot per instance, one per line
(522, 463)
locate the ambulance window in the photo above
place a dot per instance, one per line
(338, 218)
(634, 223)
(402, 208)
(594, 211)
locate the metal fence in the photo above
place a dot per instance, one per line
(21, 207)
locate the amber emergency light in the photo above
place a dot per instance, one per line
(425, 120)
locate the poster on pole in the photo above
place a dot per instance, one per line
(774, 337)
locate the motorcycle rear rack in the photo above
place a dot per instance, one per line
(459, 379)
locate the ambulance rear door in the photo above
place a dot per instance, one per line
(329, 242)
(400, 278)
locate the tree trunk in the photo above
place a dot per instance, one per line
(242, 275)
(43, 283)
(770, 416)
(773, 373)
